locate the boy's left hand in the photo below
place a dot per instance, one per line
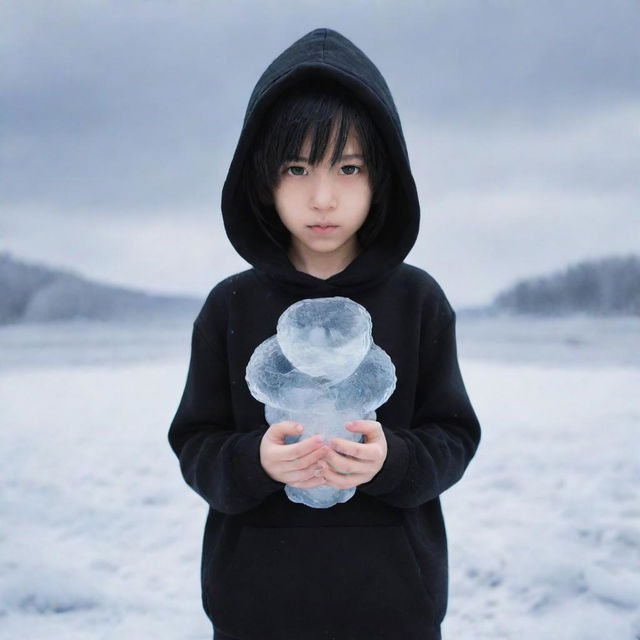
(348, 464)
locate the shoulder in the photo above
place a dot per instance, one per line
(214, 312)
(426, 292)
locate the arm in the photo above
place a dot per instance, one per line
(217, 461)
(428, 458)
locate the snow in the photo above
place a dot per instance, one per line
(100, 536)
(544, 529)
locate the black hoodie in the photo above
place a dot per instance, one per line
(374, 567)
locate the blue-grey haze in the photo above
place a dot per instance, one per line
(120, 119)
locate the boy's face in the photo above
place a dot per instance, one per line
(323, 206)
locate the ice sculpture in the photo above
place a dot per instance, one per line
(321, 369)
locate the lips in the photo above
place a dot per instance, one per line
(322, 228)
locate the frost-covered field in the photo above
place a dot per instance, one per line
(100, 538)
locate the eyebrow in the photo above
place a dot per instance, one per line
(351, 156)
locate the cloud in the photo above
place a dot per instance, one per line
(140, 103)
(594, 152)
(120, 120)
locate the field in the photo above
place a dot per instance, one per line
(100, 537)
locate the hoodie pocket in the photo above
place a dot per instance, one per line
(280, 582)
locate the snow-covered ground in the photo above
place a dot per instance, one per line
(100, 537)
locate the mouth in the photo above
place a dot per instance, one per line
(322, 228)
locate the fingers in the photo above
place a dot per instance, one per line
(337, 480)
(277, 432)
(352, 449)
(309, 478)
(347, 464)
(294, 464)
(371, 429)
(305, 461)
(352, 463)
(301, 449)
(312, 463)
(306, 477)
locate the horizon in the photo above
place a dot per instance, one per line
(483, 306)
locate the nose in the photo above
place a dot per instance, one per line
(323, 193)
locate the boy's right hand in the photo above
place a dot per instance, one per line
(300, 464)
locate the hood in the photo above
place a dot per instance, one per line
(324, 53)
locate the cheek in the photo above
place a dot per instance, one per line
(278, 197)
(284, 202)
(361, 200)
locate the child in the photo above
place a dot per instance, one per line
(320, 200)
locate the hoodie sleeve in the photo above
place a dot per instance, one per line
(218, 461)
(426, 459)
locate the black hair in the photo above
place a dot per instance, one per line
(323, 109)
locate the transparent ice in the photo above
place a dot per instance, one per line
(321, 369)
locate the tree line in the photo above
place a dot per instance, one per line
(608, 286)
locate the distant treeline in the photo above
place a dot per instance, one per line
(601, 287)
(36, 293)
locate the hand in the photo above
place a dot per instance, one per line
(348, 464)
(294, 464)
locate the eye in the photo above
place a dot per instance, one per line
(350, 169)
(295, 170)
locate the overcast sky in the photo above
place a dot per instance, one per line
(119, 120)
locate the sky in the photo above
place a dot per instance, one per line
(120, 118)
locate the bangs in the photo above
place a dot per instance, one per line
(323, 111)
(327, 125)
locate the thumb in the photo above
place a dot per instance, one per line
(279, 430)
(370, 429)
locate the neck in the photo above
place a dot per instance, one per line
(323, 265)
